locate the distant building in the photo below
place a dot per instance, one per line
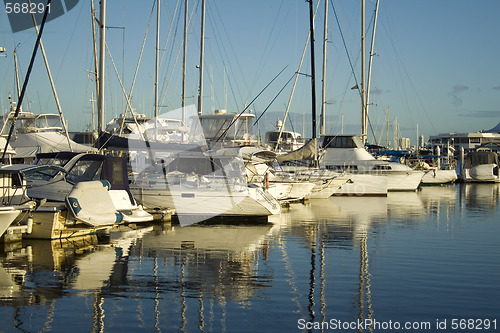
(404, 143)
(467, 141)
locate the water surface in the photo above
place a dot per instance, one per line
(426, 258)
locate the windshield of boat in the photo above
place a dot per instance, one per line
(84, 170)
(29, 122)
(48, 121)
(43, 173)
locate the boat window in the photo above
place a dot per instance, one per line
(48, 121)
(272, 136)
(342, 167)
(117, 175)
(45, 174)
(341, 142)
(84, 171)
(11, 180)
(17, 181)
(244, 129)
(213, 128)
(382, 167)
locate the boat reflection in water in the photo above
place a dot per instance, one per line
(480, 197)
(350, 258)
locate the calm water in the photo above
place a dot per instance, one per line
(429, 259)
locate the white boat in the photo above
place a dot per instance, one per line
(434, 176)
(7, 215)
(38, 133)
(326, 182)
(223, 129)
(201, 186)
(283, 140)
(15, 203)
(62, 172)
(481, 166)
(262, 168)
(439, 169)
(345, 153)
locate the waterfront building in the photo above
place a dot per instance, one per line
(467, 141)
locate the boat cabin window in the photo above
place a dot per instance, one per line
(342, 167)
(17, 181)
(11, 180)
(84, 171)
(45, 174)
(21, 123)
(48, 121)
(213, 128)
(272, 137)
(241, 129)
(382, 167)
(244, 128)
(117, 172)
(342, 142)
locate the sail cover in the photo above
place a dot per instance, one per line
(307, 151)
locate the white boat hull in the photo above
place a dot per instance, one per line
(437, 176)
(483, 173)
(7, 215)
(325, 189)
(198, 204)
(404, 181)
(290, 191)
(363, 185)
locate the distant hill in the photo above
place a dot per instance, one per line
(495, 129)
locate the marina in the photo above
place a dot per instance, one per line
(429, 256)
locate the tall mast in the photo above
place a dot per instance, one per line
(323, 82)
(95, 58)
(184, 57)
(313, 81)
(49, 74)
(17, 78)
(371, 60)
(157, 56)
(202, 50)
(363, 74)
(102, 56)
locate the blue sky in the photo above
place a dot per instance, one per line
(436, 63)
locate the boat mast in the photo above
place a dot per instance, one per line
(202, 50)
(156, 63)
(371, 60)
(17, 79)
(25, 84)
(102, 56)
(49, 74)
(95, 61)
(363, 74)
(313, 81)
(323, 83)
(184, 59)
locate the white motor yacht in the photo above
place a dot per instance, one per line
(346, 153)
